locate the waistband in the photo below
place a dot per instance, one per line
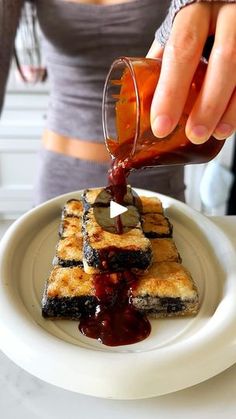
(72, 147)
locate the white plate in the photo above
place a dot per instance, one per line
(179, 352)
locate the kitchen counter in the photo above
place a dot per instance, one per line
(23, 396)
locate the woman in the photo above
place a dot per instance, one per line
(80, 40)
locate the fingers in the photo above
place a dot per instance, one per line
(212, 111)
(156, 50)
(180, 59)
(227, 124)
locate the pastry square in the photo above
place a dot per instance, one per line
(107, 251)
(156, 225)
(69, 251)
(164, 250)
(150, 205)
(167, 289)
(70, 226)
(73, 208)
(69, 293)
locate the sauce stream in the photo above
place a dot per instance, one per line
(116, 322)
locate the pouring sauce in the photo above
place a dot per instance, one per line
(116, 321)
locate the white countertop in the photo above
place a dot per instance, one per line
(23, 396)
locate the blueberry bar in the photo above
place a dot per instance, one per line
(156, 225)
(150, 205)
(70, 226)
(73, 208)
(69, 251)
(69, 293)
(167, 289)
(164, 250)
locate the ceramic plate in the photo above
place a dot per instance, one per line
(179, 352)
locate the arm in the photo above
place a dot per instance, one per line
(183, 35)
(9, 18)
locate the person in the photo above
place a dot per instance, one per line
(81, 38)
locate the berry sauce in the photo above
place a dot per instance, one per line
(115, 322)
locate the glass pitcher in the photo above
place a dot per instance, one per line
(127, 99)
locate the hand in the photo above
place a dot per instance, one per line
(214, 111)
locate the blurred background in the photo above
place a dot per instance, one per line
(208, 186)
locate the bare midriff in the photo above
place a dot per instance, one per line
(75, 147)
(99, 2)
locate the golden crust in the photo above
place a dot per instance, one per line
(155, 223)
(90, 269)
(129, 240)
(164, 250)
(98, 195)
(70, 248)
(73, 207)
(150, 205)
(166, 279)
(69, 282)
(71, 226)
(101, 216)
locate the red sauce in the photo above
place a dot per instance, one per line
(118, 188)
(115, 322)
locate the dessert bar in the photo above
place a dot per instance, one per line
(164, 250)
(69, 293)
(167, 289)
(73, 207)
(70, 226)
(156, 225)
(150, 205)
(69, 251)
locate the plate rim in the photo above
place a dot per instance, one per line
(118, 374)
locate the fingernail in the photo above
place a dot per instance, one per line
(223, 131)
(161, 125)
(198, 134)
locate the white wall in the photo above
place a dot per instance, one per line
(194, 174)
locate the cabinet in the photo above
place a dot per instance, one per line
(21, 126)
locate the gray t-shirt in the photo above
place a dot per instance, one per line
(80, 41)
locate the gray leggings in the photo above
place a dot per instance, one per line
(59, 174)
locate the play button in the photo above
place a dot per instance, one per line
(106, 211)
(116, 209)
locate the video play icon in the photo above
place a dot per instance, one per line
(116, 209)
(106, 211)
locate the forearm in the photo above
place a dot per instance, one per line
(163, 32)
(9, 18)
